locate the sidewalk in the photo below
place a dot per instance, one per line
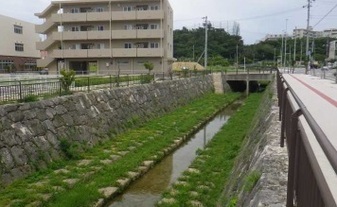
(320, 98)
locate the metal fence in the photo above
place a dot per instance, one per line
(307, 186)
(18, 90)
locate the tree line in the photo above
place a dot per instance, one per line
(225, 49)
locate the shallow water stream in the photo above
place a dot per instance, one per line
(146, 191)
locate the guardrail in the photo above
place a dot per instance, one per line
(307, 185)
(16, 90)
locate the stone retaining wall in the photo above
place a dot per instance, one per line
(30, 133)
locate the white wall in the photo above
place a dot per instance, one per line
(9, 38)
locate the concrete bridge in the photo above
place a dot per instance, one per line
(308, 111)
(248, 76)
(220, 79)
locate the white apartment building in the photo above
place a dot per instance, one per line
(17, 45)
(106, 36)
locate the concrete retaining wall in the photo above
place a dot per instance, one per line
(30, 133)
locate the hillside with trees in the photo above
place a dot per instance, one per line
(222, 48)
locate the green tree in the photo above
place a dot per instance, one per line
(68, 77)
(149, 66)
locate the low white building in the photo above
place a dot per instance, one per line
(17, 45)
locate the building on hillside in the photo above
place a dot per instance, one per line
(332, 33)
(302, 33)
(17, 46)
(270, 37)
(107, 36)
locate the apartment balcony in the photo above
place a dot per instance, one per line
(149, 52)
(97, 53)
(122, 16)
(79, 53)
(43, 63)
(43, 28)
(98, 16)
(121, 52)
(73, 17)
(99, 35)
(150, 14)
(124, 34)
(44, 45)
(105, 53)
(147, 33)
(106, 16)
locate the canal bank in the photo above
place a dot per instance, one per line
(262, 156)
(102, 171)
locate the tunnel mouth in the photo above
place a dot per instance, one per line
(254, 86)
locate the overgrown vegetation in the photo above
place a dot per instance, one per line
(148, 66)
(70, 149)
(130, 150)
(251, 180)
(29, 98)
(214, 164)
(68, 77)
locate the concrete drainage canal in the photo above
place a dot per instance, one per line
(147, 190)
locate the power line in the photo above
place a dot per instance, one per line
(325, 16)
(268, 15)
(250, 18)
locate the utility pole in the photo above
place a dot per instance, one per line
(307, 43)
(285, 44)
(282, 52)
(237, 59)
(295, 48)
(206, 41)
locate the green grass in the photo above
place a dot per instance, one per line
(215, 163)
(142, 143)
(251, 180)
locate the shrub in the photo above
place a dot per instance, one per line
(68, 76)
(29, 98)
(71, 151)
(149, 66)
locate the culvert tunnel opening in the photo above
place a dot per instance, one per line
(240, 86)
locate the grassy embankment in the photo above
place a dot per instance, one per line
(76, 182)
(203, 182)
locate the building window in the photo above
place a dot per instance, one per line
(100, 46)
(19, 47)
(154, 45)
(4, 64)
(100, 27)
(75, 10)
(154, 7)
(127, 45)
(127, 8)
(99, 9)
(30, 66)
(75, 29)
(128, 27)
(18, 29)
(154, 26)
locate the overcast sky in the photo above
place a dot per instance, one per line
(257, 18)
